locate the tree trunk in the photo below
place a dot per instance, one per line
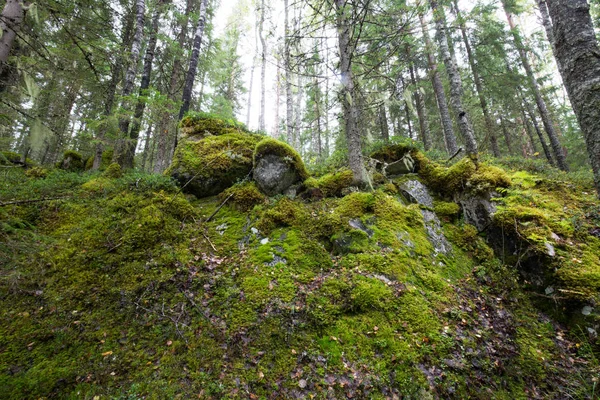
(421, 109)
(252, 68)
(440, 95)
(146, 147)
(456, 90)
(383, 123)
(164, 139)
(527, 127)
(507, 138)
(124, 121)
(190, 77)
(289, 118)
(298, 113)
(541, 104)
(12, 18)
(140, 107)
(263, 67)
(350, 111)
(578, 52)
(531, 113)
(489, 124)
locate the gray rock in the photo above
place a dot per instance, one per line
(550, 249)
(478, 210)
(416, 192)
(403, 166)
(434, 232)
(276, 260)
(274, 175)
(358, 224)
(404, 237)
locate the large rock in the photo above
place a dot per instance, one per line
(277, 167)
(395, 160)
(212, 158)
(478, 209)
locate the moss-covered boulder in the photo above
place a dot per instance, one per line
(71, 161)
(277, 167)
(212, 157)
(198, 125)
(395, 160)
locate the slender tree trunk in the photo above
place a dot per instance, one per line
(289, 118)
(440, 95)
(489, 124)
(298, 113)
(140, 107)
(277, 101)
(263, 67)
(531, 113)
(527, 127)
(186, 98)
(383, 123)
(350, 112)
(507, 139)
(11, 20)
(146, 147)
(578, 52)
(421, 109)
(456, 90)
(541, 104)
(251, 84)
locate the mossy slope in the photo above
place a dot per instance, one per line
(122, 291)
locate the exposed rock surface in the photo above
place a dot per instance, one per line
(277, 167)
(478, 210)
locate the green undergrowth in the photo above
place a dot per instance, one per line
(123, 290)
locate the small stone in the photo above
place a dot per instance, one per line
(587, 310)
(264, 241)
(302, 384)
(549, 290)
(550, 249)
(254, 230)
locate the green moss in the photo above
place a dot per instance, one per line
(206, 124)
(113, 171)
(371, 294)
(36, 172)
(283, 150)
(393, 153)
(11, 157)
(332, 185)
(107, 156)
(244, 196)
(98, 185)
(447, 210)
(71, 161)
(284, 212)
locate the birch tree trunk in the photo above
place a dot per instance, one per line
(440, 95)
(263, 66)
(456, 91)
(350, 112)
(578, 52)
(489, 125)
(541, 103)
(289, 117)
(124, 121)
(140, 107)
(190, 77)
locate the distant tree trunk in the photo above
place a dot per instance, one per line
(456, 90)
(531, 114)
(541, 104)
(164, 138)
(277, 101)
(350, 111)
(124, 121)
(263, 67)
(289, 118)
(421, 109)
(318, 131)
(251, 84)
(440, 95)
(140, 107)
(383, 123)
(190, 77)
(11, 20)
(578, 52)
(527, 127)
(298, 113)
(146, 147)
(489, 125)
(507, 138)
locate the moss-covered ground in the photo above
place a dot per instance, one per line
(118, 288)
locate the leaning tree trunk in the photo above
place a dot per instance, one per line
(531, 113)
(527, 127)
(421, 108)
(456, 90)
(350, 110)
(578, 52)
(124, 121)
(140, 107)
(541, 103)
(263, 66)
(11, 20)
(289, 118)
(489, 125)
(440, 95)
(190, 77)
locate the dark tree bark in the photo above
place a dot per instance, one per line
(507, 138)
(440, 95)
(140, 107)
(578, 52)
(489, 124)
(456, 91)
(11, 20)
(541, 103)
(527, 127)
(531, 114)
(383, 123)
(186, 98)
(344, 27)
(421, 109)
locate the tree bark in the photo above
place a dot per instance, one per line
(421, 109)
(12, 18)
(124, 121)
(140, 107)
(186, 98)
(578, 52)
(383, 123)
(541, 103)
(489, 125)
(289, 118)
(507, 138)
(527, 127)
(263, 67)
(456, 90)
(531, 113)
(440, 95)
(350, 111)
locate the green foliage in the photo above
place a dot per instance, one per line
(332, 185)
(36, 172)
(107, 156)
(243, 196)
(113, 171)
(71, 161)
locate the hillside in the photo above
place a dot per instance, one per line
(122, 286)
